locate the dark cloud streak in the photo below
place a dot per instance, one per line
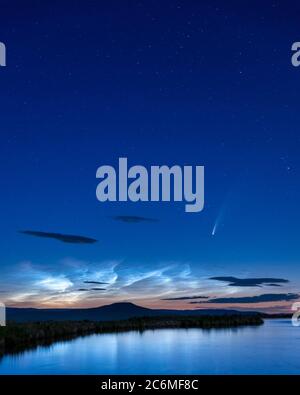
(254, 299)
(65, 238)
(133, 219)
(187, 297)
(250, 282)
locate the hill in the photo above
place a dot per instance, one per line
(115, 311)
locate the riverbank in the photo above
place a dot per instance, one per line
(17, 337)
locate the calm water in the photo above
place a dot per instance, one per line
(271, 348)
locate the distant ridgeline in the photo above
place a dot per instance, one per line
(115, 311)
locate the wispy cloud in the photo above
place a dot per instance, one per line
(78, 283)
(62, 283)
(54, 283)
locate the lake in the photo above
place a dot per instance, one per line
(272, 348)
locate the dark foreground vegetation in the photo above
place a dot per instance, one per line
(17, 337)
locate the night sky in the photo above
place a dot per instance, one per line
(162, 83)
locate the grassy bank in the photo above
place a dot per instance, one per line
(16, 337)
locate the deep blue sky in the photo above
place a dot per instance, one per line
(179, 82)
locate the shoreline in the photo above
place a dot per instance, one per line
(19, 337)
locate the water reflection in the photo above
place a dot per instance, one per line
(269, 348)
